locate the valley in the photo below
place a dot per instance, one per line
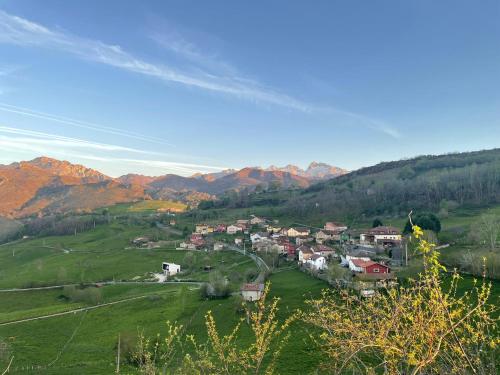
(73, 282)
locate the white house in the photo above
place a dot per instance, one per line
(257, 237)
(170, 269)
(305, 253)
(219, 246)
(323, 250)
(252, 292)
(381, 236)
(317, 262)
(233, 229)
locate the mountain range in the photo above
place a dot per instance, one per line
(45, 185)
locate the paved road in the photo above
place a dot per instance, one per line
(258, 260)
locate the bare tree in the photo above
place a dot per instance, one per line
(488, 229)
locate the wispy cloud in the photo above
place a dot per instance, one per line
(18, 140)
(22, 32)
(19, 31)
(5, 107)
(370, 123)
(175, 43)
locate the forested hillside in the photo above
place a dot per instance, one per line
(434, 183)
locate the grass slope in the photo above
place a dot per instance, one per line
(102, 254)
(84, 343)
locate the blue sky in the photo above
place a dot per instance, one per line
(160, 87)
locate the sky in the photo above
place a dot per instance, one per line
(157, 87)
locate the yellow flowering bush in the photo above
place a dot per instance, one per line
(419, 328)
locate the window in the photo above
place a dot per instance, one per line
(376, 270)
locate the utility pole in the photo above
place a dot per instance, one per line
(406, 253)
(118, 356)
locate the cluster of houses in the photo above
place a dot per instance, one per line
(312, 248)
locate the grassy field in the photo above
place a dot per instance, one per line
(8, 228)
(146, 207)
(102, 254)
(155, 205)
(84, 343)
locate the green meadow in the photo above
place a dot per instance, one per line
(84, 342)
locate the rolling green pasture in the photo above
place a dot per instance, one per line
(154, 205)
(84, 343)
(103, 254)
(145, 207)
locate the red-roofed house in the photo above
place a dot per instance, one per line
(220, 228)
(252, 292)
(367, 266)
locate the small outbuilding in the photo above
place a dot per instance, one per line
(170, 269)
(252, 292)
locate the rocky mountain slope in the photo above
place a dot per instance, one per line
(45, 185)
(315, 171)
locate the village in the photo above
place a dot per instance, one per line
(364, 260)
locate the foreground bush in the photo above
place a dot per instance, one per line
(422, 328)
(220, 354)
(419, 328)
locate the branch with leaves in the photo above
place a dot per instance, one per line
(422, 327)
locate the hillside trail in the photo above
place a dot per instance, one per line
(100, 283)
(74, 311)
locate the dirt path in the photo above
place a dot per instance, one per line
(74, 311)
(101, 283)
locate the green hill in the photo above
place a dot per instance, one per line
(425, 183)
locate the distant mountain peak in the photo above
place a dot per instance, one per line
(62, 168)
(314, 171)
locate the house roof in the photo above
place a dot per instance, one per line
(334, 224)
(323, 248)
(301, 229)
(366, 263)
(316, 256)
(384, 230)
(305, 249)
(252, 287)
(330, 232)
(362, 263)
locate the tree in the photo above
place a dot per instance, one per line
(189, 260)
(419, 328)
(487, 230)
(219, 354)
(336, 273)
(377, 223)
(426, 221)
